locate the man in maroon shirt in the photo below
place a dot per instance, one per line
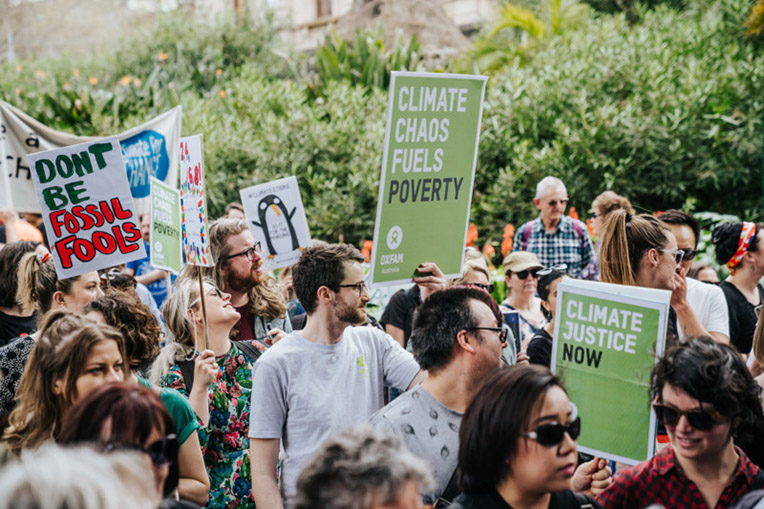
(254, 293)
(704, 395)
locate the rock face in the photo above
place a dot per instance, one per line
(435, 31)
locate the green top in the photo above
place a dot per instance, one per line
(179, 409)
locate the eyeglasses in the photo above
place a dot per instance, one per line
(557, 268)
(678, 254)
(594, 214)
(502, 332)
(359, 287)
(488, 288)
(553, 203)
(214, 292)
(117, 279)
(249, 253)
(162, 452)
(689, 254)
(701, 420)
(552, 434)
(523, 274)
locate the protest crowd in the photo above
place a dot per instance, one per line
(234, 385)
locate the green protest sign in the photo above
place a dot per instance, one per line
(165, 233)
(606, 341)
(428, 168)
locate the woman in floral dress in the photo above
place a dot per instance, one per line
(217, 381)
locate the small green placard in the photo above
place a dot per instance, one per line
(165, 236)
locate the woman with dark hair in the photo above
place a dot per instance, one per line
(705, 397)
(39, 288)
(517, 444)
(125, 311)
(15, 320)
(540, 346)
(740, 246)
(127, 416)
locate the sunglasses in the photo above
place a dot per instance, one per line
(550, 435)
(557, 268)
(689, 254)
(699, 419)
(523, 274)
(488, 288)
(117, 279)
(162, 452)
(678, 254)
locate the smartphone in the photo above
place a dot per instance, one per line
(512, 319)
(420, 273)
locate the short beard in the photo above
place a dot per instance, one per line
(244, 285)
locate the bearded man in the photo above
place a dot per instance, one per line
(254, 293)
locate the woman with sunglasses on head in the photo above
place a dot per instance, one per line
(540, 346)
(642, 251)
(740, 246)
(123, 310)
(123, 416)
(704, 395)
(517, 445)
(217, 381)
(520, 272)
(74, 356)
(39, 288)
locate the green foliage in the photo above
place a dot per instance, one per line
(366, 61)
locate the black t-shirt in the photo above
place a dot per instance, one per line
(540, 348)
(400, 310)
(559, 500)
(15, 326)
(742, 316)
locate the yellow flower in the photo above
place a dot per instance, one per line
(19, 68)
(219, 72)
(93, 80)
(66, 84)
(162, 56)
(76, 72)
(125, 80)
(222, 93)
(137, 82)
(40, 75)
(18, 91)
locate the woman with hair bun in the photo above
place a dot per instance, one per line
(39, 288)
(740, 246)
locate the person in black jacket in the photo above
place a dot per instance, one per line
(540, 346)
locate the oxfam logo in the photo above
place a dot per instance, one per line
(145, 156)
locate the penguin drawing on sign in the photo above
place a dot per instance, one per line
(271, 225)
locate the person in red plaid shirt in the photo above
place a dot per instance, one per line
(705, 397)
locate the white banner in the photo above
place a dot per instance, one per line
(149, 150)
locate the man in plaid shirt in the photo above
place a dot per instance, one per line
(554, 237)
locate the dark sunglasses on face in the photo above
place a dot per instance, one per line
(553, 203)
(488, 288)
(552, 434)
(523, 274)
(689, 254)
(162, 452)
(699, 419)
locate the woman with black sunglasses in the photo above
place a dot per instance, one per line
(704, 395)
(517, 445)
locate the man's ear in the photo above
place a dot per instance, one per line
(537, 203)
(325, 294)
(466, 341)
(58, 298)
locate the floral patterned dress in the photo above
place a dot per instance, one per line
(224, 440)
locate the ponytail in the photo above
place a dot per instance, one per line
(624, 242)
(38, 281)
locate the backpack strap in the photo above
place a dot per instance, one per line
(450, 493)
(249, 351)
(582, 501)
(577, 228)
(187, 371)
(757, 484)
(527, 233)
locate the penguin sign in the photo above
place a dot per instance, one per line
(276, 218)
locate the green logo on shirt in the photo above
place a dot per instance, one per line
(362, 369)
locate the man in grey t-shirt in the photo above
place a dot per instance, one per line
(458, 338)
(323, 379)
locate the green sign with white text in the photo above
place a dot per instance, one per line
(428, 172)
(165, 236)
(604, 350)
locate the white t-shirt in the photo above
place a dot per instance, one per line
(709, 305)
(304, 392)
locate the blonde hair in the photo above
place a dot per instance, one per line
(60, 354)
(265, 299)
(625, 240)
(609, 201)
(37, 282)
(473, 266)
(181, 331)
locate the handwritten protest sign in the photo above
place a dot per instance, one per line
(428, 169)
(606, 342)
(193, 202)
(87, 207)
(165, 233)
(277, 220)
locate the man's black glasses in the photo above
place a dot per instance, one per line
(699, 419)
(550, 435)
(689, 254)
(359, 287)
(523, 274)
(249, 253)
(499, 330)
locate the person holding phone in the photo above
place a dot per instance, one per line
(521, 274)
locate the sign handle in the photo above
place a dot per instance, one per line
(168, 280)
(204, 309)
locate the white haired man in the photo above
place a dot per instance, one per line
(553, 237)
